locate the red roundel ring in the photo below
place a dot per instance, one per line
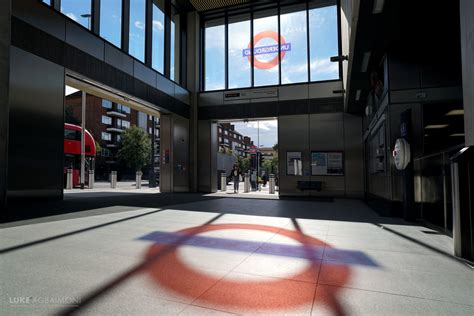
(272, 63)
(170, 272)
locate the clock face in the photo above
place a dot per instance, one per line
(401, 153)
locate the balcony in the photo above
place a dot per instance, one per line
(116, 114)
(115, 129)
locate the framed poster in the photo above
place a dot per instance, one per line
(327, 163)
(294, 165)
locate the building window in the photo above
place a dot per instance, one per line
(226, 140)
(214, 62)
(238, 53)
(119, 138)
(79, 11)
(220, 139)
(226, 133)
(106, 104)
(137, 29)
(106, 120)
(158, 38)
(294, 43)
(323, 42)
(111, 21)
(123, 123)
(265, 41)
(106, 136)
(142, 122)
(220, 130)
(123, 108)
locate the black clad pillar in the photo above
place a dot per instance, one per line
(5, 28)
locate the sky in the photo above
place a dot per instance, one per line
(294, 64)
(263, 133)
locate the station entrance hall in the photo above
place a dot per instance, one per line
(198, 157)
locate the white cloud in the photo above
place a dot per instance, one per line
(157, 25)
(324, 66)
(263, 125)
(72, 16)
(139, 25)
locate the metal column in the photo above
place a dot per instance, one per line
(83, 141)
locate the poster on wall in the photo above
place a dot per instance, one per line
(327, 163)
(293, 163)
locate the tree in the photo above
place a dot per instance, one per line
(135, 148)
(275, 147)
(243, 163)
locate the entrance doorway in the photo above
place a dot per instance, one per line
(251, 148)
(111, 140)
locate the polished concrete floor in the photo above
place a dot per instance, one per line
(157, 254)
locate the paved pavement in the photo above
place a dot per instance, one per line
(198, 255)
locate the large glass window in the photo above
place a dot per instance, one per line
(172, 47)
(214, 62)
(158, 39)
(294, 45)
(137, 29)
(323, 32)
(111, 21)
(79, 11)
(239, 56)
(47, 2)
(175, 45)
(265, 42)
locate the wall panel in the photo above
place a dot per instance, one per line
(35, 145)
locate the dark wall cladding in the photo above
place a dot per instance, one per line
(37, 42)
(36, 124)
(271, 108)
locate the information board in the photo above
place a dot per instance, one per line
(327, 163)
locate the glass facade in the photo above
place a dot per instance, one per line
(158, 39)
(239, 66)
(293, 45)
(265, 49)
(214, 46)
(137, 29)
(172, 52)
(323, 40)
(294, 59)
(111, 21)
(79, 11)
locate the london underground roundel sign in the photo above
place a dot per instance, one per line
(266, 50)
(401, 153)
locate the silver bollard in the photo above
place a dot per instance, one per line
(138, 179)
(223, 182)
(271, 183)
(69, 179)
(91, 179)
(246, 182)
(113, 179)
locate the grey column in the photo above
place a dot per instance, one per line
(5, 26)
(166, 153)
(192, 83)
(467, 53)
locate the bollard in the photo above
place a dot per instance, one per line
(69, 179)
(138, 179)
(113, 179)
(271, 183)
(246, 182)
(91, 179)
(223, 182)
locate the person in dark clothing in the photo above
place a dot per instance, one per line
(235, 174)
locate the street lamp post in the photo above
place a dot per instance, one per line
(88, 16)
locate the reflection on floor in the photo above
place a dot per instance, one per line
(240, 256)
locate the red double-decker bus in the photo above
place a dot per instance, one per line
(72, 151)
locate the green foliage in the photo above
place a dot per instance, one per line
(135, 148)
(98, 148)
(243, 163)
(275, 148)
(270, 165)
